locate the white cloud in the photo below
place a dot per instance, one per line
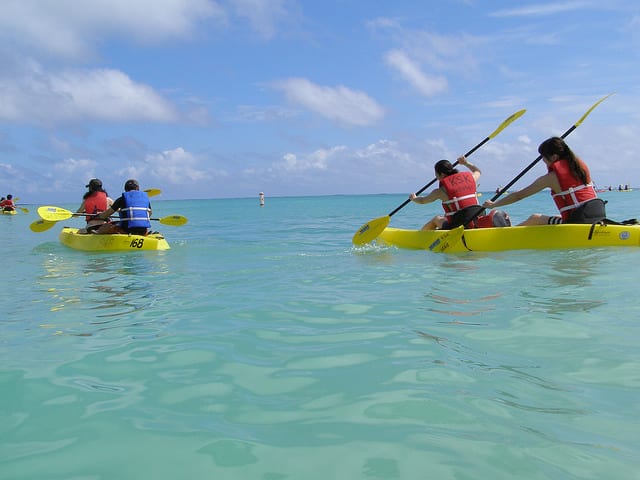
(70, 28)
(111, 95)
(175, 166)
(317, 160)
(427, 85)
(350, 107)
(71, 95)
(541, 9)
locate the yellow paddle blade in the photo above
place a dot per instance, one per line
(173, 220)
(23, 209)
(447, 239)
(591, 109)
(369, 231)
(54, 214)
(507, 122)
(152, 192)
(41, 225)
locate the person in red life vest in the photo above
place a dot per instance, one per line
(134, 209)
(7, 204)
(95, 201)
(456, 190)
(571, 187)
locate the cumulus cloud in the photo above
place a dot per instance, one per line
(316, 160)
(350, 107)
(175, 166)
(427, 85)
(101, 94)
(70, 28)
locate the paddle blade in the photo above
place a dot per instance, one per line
(23, 209)
(508, 122)
(369, 231)
(173, 220)
(447, 239)
(152, 192)
(54, 214)
(577, 124)
(41, 225)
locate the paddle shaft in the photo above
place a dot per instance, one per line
(114, 218)
(529, 167)
(373, 228)
(502, 126)
(407, 201)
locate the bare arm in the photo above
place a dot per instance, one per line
(106, 214)
(434, 195)
(475, 171)
(545, 181)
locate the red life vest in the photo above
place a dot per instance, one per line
(95, 203)
(461, 192)
(574, 193)
(7, 205)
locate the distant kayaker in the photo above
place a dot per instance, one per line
(261, 197)
(134, 209)
(95, 201)
(7, 204)
(571, 187)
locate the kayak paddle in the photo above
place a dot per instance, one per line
(564, 135)
(370, 230)
(529, 167)
(57, 214)
(41, 225)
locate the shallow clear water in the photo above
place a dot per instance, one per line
(262, 345)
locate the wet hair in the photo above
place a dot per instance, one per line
(556, 145)
(444, 167)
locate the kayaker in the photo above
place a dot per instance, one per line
(95, 201)
(458, 193)
(134, 209)
(7, 204)
(571, 187)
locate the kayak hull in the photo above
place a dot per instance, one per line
(111, 243)
(540, 237)
(8, 212)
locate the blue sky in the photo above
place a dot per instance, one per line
(226, 98)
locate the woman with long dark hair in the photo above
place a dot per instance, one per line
(571, 187)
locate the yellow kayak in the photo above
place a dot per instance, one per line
(9, 212)
(542, 237)
(92, 242)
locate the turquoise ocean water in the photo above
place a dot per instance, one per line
(264, 346)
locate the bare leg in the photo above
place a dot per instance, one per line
(536, 219)
(109, 228)
(434, 223)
